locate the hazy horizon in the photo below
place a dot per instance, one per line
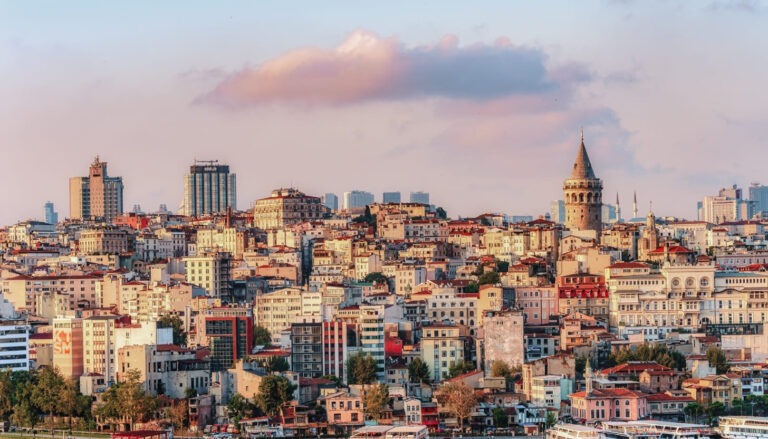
(478, 104)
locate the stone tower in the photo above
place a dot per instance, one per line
(583, 195)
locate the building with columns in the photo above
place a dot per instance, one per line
(583, 193)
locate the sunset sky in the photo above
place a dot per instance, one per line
(479, 103)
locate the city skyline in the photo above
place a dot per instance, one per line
(662, 89)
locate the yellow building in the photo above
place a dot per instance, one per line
(286, 207)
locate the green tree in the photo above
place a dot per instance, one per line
(45, 394)
(551, 418)
(375, 401)
(24, 411)
(376, 278)
(238, 407)
(72, 403)
(128, 399)
(489, 278)
(715, 410)
(737, 406)
(459, 368)
(580, 363)
(134, 401)
(7, 391)
(500, 368)
(459, 399)
(418, 371)
(694, 410)
(441, 213)
(177, 325)
(472, 287)
(500, 418)
(657, 352)
(502, 266)
(361, 369)
(277, 364)
(261, 336)
(716, 358)
(274, 390)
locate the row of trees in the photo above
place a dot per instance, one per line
(28, 396)
(657, 352)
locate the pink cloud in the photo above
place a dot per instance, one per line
(367, 67)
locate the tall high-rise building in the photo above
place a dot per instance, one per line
(557, 211)
(209, 188)
(230, 335)
(758, 194)
(391, 197)
(583, 195)
(51, 216)
(97, 195)
(420, 197)
(331, 201)
(357, 199)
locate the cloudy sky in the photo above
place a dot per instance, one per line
(478, 103)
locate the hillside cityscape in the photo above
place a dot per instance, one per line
(383, 220)
(308, 315)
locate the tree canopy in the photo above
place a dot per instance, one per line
(657, 352)
(489, 278)
(261, 336)
(177, 325)
(501, 368)
(128, 398)
(418, 371)
(459, 399)
(361, 369)
(274, 390)
(717, 359)
(459, 368)
(376, 400)
(376, 278)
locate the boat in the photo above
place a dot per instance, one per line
(743, 427)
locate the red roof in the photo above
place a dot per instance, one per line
(634, 367)
(672, 249)
(609, 393)
(661, 397)
(628, 265)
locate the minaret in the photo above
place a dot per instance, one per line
(618, 209)
(634, 206)
(583, 193)
(588, 376)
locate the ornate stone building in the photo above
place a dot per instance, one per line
(583, 195)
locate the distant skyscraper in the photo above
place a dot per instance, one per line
(420, 197)
(357, 199)
(557, 211)
(51, 216)
(209, 188)
(391, 197)
(96, 196)
(758, 194)
(609, 213)
(331, 201)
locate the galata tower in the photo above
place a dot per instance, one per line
(583, 195)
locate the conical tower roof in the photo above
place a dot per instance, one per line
(582, 167)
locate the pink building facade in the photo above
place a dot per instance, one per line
(537, 303)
